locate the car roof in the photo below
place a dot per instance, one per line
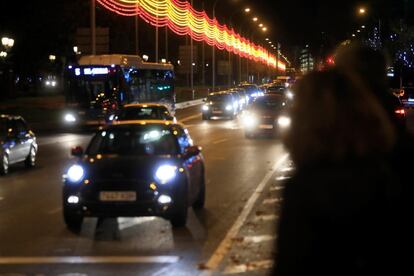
(145, 105)
(133, 123)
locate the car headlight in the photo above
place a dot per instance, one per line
(166, 173)
(75, 173)
(283, 121)
(229, 107)
(111, 117)
(205, 108)
(289, 95)
(70, 118)
(250, 120)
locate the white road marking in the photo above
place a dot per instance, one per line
(258, 239)
(278, 188)
(226, 243)
(266, 217)
(124, 223)
(281, 178)
(271, 200)
(54, 211)
(88, 260)
(189, 118)
(252, 266)
(220, 141)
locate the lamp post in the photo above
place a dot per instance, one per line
(214, 52)
(93, 27)
(362, 11)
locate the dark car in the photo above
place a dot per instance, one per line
(407, 97)
(150, 111)
(18, 143)
(399, 111)
(220, 104)
(252, 90)
(130, 169)
(266, 115)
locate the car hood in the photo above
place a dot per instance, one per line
(115, 167)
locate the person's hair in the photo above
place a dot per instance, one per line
(334, 118)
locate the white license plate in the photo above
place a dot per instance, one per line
(118, 196)
(266, 126)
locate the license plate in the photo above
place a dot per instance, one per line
(218, 112)
(266, 126)
(118, 196)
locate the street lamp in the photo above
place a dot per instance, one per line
(255, 19)
(362, 10)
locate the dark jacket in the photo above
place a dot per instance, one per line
(337, 219)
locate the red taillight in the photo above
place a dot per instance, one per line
(400, 111)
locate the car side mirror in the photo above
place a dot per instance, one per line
(77, 151)
(192, 151)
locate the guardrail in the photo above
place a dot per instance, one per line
(188, 104)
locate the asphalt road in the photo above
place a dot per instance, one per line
(234, 234)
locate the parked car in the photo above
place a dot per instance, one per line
(18, 143)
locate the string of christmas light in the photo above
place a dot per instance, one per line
(183, 19)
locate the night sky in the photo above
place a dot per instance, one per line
(47, 26)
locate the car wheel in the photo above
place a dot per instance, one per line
(205, 117)
(30, 161)
(72, 219)
(4, 164)
(179, 217)
(201, 197)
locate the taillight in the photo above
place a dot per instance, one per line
(400, 111)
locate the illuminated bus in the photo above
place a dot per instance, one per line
(101, 84)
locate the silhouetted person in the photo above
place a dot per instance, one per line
(335, 217)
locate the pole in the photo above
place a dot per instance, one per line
(166, 43)
(230, 71)
(203, 59)
(192, 60)
(214, 52)
(156, 40)
(137, 34)
(93, 27)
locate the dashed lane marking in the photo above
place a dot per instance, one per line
(266, 218)
(249, 267)
(257, 239)
(88, 260)
(271, 201)
(220, 141)
(278, 188)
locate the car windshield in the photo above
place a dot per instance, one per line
(273, 103)
(219, 98)
(143, 113)
(147, 141)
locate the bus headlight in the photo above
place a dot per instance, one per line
(283, 121)
(70, 118)
(166, 173)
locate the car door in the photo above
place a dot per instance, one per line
(192, 163)
(12, 142)
(23, 139)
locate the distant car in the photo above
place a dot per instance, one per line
(399, 111)
(220, 104)
(252, 90)
(266, 115)
(130, 169)
(407, 97)
(150, 111)
(17, 143)
(244, 101)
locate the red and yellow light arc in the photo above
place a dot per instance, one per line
(183, 19)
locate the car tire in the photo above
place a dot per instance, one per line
(205, 117)
(201, 197)
(4, 164)
(72, 220)
(179, 217)
(30, 161)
